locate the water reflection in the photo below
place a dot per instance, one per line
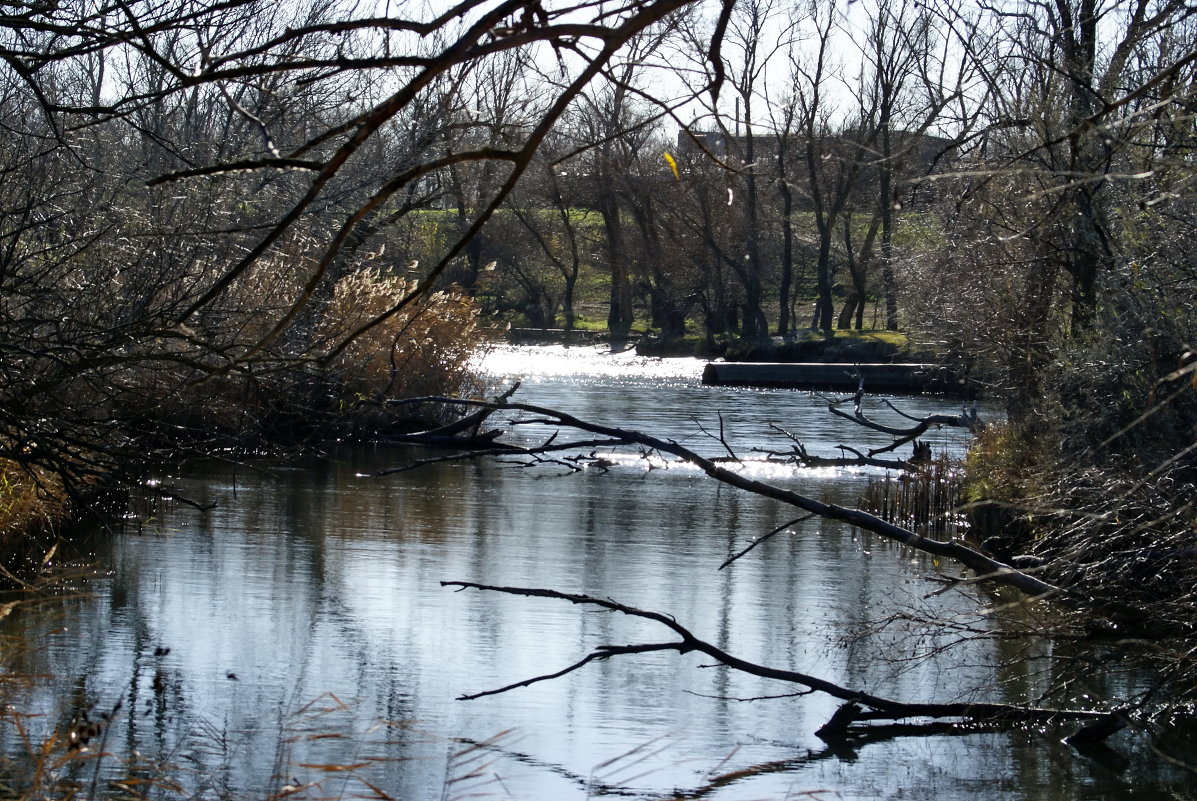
(306, 626)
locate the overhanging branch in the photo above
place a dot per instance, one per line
(859, 705)
(998, 571)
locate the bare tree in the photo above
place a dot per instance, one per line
(617, 124)
(832, 151)
(191, 182)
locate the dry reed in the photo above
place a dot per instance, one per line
(32, 501)
(926, 500)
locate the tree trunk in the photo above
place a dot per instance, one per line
(785, 326)
(619, 316)
(755, 323)
(889, 283)
(1089, 251)
(858, 268)
(823, 306)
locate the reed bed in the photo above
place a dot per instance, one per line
(928, 500)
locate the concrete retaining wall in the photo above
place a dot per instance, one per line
(902, 378)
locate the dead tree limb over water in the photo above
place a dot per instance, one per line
(609, 436)
(798, 453)
(859, 708)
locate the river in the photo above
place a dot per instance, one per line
(295, 639)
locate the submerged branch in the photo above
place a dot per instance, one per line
(479, 448)
(800, 455)
(966, 419)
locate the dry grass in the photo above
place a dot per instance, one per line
(422, 349)
(32, 500)
(323, 375)
(927, 500)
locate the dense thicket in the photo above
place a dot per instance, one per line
(207, 215)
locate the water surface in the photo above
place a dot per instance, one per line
(300, 623)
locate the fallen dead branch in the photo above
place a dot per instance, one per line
(859, 707)
(992, 569)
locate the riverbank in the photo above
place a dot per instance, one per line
(34, 505)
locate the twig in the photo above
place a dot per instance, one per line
(603, 652)
(722, 440)
(759, 540)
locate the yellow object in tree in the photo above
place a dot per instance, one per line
(672, 165)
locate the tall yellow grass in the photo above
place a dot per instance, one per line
(422, 349)
(32, 500)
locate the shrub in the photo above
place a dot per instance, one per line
(32, 500)
(426, 348)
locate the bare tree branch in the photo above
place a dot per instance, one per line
(999, 572)
(859, 705)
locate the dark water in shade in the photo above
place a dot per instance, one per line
(307, 627)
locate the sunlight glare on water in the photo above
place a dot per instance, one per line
(584, 364)
(670, 401)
